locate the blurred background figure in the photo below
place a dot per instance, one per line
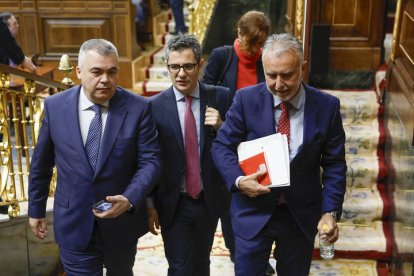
(10, 52)
(240, 65)
(177, 8)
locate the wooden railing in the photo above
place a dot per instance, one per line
(21, 111)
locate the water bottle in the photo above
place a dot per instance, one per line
(326, 249)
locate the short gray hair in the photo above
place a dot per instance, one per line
(101, 46)
(181, 42)
(277, 44)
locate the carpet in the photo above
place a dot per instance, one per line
(150, 260)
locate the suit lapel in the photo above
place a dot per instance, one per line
(171, 113)
(267, 121)
(309, 116)
(116, 116)
(72, 127)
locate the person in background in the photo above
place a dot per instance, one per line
(10, 52)
(104, 144)
(177, 8)
(240, 65)
(290, 216)
(237, 67)
(190, 195)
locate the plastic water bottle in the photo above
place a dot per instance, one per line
(326, 249)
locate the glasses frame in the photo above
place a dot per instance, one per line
(182, 67)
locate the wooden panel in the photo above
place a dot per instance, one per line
(55, 27)
(64, 36)
(401, 70)
(406, 36)
(362, 58)
(29, 30)
(356, 28)
(121, 27)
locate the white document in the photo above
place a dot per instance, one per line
(276, 151)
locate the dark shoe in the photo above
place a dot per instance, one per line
(270, 270)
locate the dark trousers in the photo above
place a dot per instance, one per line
(90, 262)
(189, 238)
(228, 233)
(178, 13)
(293, 251)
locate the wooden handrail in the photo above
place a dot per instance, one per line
(27, 75)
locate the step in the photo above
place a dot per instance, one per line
(362, 171)
(140, 64)
(361, 241)
(362, 140)
(151, 88)
(362, 206)
(357, 107)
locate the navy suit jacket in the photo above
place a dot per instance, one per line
(216, 64)
(128, 164)
(250, 117)
(169, 187)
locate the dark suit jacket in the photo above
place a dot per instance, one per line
(216, 64)
(251, 116)
(9, 47)
(128, 164)
(167, 191)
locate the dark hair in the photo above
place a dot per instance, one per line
(255, 26)
(5, 16)
(181, 42)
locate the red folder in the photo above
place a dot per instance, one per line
(252, 165)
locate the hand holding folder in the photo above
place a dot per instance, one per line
(269, 153)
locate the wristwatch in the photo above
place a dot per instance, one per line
(334, 214)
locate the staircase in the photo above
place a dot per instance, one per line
(149, 71)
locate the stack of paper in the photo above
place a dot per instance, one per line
(270, 153)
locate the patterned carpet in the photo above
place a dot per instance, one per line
(150, 261)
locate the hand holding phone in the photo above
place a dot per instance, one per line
(102, 206)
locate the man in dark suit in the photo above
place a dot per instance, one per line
(290, 216)
(104, 144)
(190, 195)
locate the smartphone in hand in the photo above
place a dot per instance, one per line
(102, 206)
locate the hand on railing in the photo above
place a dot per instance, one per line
(28, 64)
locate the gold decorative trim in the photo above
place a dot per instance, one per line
(200, 12)
(299, 19)
(396, 30)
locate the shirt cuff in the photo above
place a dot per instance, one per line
(238, 180)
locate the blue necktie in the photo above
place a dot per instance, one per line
(93, 140)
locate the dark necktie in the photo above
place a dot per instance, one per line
(193, 185)
(283, 125)
(93, 140)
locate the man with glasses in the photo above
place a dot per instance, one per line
(190, 195)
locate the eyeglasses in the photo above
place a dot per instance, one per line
(175, 68)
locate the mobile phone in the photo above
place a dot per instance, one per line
(102, 206)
